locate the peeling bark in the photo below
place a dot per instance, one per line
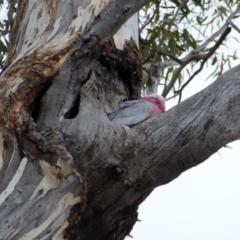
(65, 167)
(40, 178)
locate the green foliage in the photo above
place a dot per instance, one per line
(7, 10)
(3, 33)
(176, 28)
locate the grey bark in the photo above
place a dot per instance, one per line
(109, 169)
(122, 165)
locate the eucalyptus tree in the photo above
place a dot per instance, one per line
(67, 171)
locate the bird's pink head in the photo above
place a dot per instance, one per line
(156, 99)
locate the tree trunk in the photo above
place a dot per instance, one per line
(67, 172)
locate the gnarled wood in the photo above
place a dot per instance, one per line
(38, 173)
(71, 172)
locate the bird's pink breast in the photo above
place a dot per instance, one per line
(156, 111)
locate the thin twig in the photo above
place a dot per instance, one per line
(194, 55)
(220, 31)
(163, 53)
(234, 26)
(161, 65)
(148, 20)
(162, 41)
(205, 57)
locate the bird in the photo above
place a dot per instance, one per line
(133, 112)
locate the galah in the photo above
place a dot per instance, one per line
(134, 112)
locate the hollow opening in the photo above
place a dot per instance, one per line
(35, 108)
(73, 111)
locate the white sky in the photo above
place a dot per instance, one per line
(204, 202)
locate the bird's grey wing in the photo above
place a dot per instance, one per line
(121, 107)
(131, 113)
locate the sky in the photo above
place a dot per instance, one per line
(204, 202)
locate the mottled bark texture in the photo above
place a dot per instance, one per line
(66, 171)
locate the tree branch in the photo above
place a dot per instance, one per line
(161, 42)
(178, 140)
(205, 57)
(195, 55)
(163, 53)
(75, 70)
(220, 31)
(189, 133)
(158, 150)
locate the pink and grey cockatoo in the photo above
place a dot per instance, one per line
(134, 112)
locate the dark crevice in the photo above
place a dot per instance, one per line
(35, 108)
(73, 111)
(128, 70)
